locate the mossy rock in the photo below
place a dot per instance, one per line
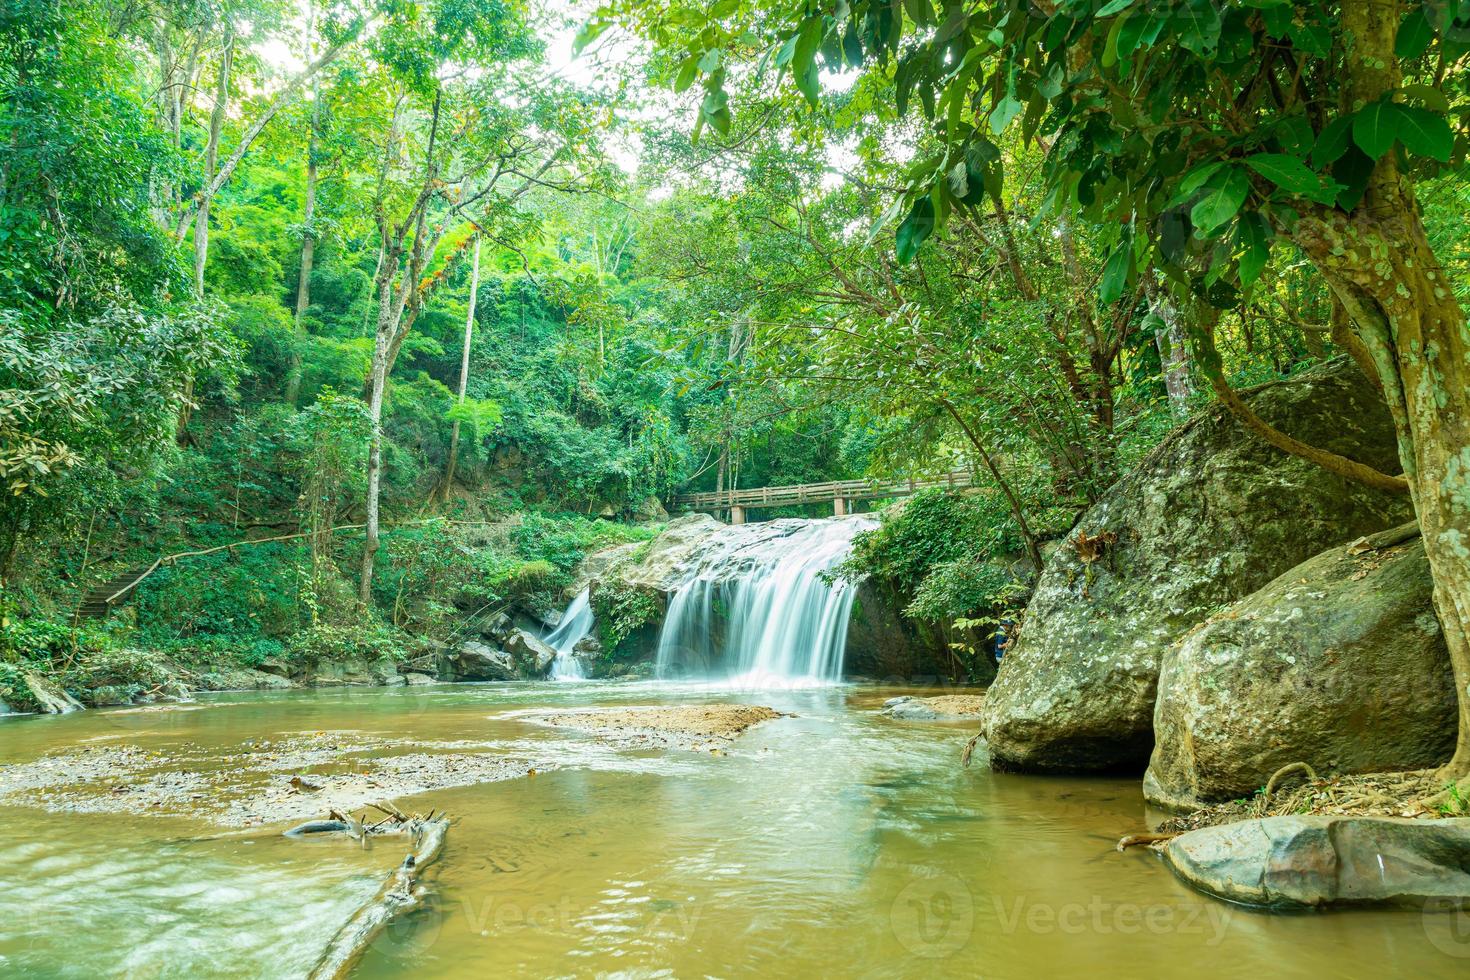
(1211, 515)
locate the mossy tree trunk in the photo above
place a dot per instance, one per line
(1378, 262)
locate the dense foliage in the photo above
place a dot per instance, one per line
(428, 315)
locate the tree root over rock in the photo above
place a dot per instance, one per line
(400, 894)
(1417, 793)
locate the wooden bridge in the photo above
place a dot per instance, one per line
(842, 493)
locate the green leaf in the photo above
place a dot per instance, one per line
(1197, 24)
(804, 53)
(1332, 142)
(1427, 95)
(1291, 175)
(1424, 133)
(590, 32)
(710, 62)
(1005, 110)
(1253, 241)
(1375, 127)
(1224, 193)
(1114, 6)
(688, 70)
(1414, 35)
(852, 47)
(917, 227)
(1115, 272)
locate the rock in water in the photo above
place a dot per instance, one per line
(1338, 663)
(1295, 862)
(477, 662)
(533, 657)
(949, 707)
(1211, 515)
(49, 697)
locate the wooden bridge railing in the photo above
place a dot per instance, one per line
(838, 491)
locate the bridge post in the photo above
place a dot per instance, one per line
(839, 507)
(737, 514)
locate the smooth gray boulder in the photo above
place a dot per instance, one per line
(1208, 517)
(50, 698)
(1339, 663)
(472, 661)
(1314, 861)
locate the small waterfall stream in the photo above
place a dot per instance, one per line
(575, 624)
(754, 607)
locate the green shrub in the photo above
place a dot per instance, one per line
(621, 610)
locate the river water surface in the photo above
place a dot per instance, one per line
(834, 842)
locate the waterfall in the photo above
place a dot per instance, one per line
(575, 624)
(754, 607)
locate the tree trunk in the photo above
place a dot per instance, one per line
(386, 325)
(1380, 265)
(211, 161)
(464, 372)
(1399, 299)
(1173, 352)
(308, 247)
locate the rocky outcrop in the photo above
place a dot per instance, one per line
(242, 679)
(474, 661)
(1314, 861)
(49, 697)
(1338, 663)
(533, 658)
(1211, 515)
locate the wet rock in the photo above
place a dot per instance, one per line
(1211, 515)
(473, 661)
(496, 627)
(650, 511)
(1312, 861)
(414, 679)
(532, 656)
(111, 695)
(587, 652)
(243, 679)
(884, 644)
(1338, 663)
(951, 707)
(661, 561)
(49, 697)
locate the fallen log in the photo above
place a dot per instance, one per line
(401, 893)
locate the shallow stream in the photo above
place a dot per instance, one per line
(833, 842)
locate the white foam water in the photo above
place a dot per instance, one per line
(575, 624)
(754, 609)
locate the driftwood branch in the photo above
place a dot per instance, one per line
(1384, 539)
(401, 893)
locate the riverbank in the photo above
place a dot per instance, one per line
(805, 841)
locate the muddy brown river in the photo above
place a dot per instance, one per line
(829, 842)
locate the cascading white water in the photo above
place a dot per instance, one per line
(754, 607)
(575, 624)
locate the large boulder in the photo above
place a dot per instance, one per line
(50, 698)
(1314, 861)
(532, 656)
(1339, 663)
(472, 661)
(1211, 515)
